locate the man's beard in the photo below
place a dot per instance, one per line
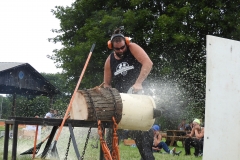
(119, 55)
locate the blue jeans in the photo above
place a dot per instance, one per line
(163, 145)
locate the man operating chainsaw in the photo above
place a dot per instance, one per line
(127, 67)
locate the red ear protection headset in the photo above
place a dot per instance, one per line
(127, 40)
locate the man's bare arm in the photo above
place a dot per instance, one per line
(199, 135)
(157, 138)
(146, 62)
(192, 132)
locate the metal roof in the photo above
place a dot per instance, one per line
(7, 68)
(9, 65)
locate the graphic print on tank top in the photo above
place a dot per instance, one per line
(123, 68)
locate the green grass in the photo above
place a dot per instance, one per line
(126, 153)
(131, 153)
(2, 128)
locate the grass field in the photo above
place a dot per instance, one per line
(126, 153)
(2, 128)
(130, 153)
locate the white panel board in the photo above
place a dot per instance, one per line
(222, 113)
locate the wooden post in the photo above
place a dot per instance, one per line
(13, 114)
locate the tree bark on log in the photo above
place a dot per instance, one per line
(97, 103)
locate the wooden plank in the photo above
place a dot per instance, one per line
(177, 138)
(163, 134)
(54, 122)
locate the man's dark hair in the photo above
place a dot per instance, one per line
(117, 36)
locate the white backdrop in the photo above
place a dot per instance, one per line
(222, 113)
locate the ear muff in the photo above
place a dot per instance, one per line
(127, 40)
(109, 43)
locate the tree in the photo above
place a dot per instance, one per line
(173, 33)
(5, 111)
(60, 101)
(183, 30)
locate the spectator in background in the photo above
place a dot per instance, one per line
(189, 126)
(158, 144)
(31, 127)
(182, 126)
(49, 114)
(55, 114)
(197, 141)
(34, 128)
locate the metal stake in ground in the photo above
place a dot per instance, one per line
(70, 104)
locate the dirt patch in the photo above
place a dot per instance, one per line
(2, 123)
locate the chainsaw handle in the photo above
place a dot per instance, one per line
(131, 91)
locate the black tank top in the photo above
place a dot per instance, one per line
(124, 71)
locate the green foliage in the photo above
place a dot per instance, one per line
(6, 103)
(32, 106)
(2, 128)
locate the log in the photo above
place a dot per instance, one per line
(97, 104)
(131, 111)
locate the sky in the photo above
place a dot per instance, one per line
(25, 27)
